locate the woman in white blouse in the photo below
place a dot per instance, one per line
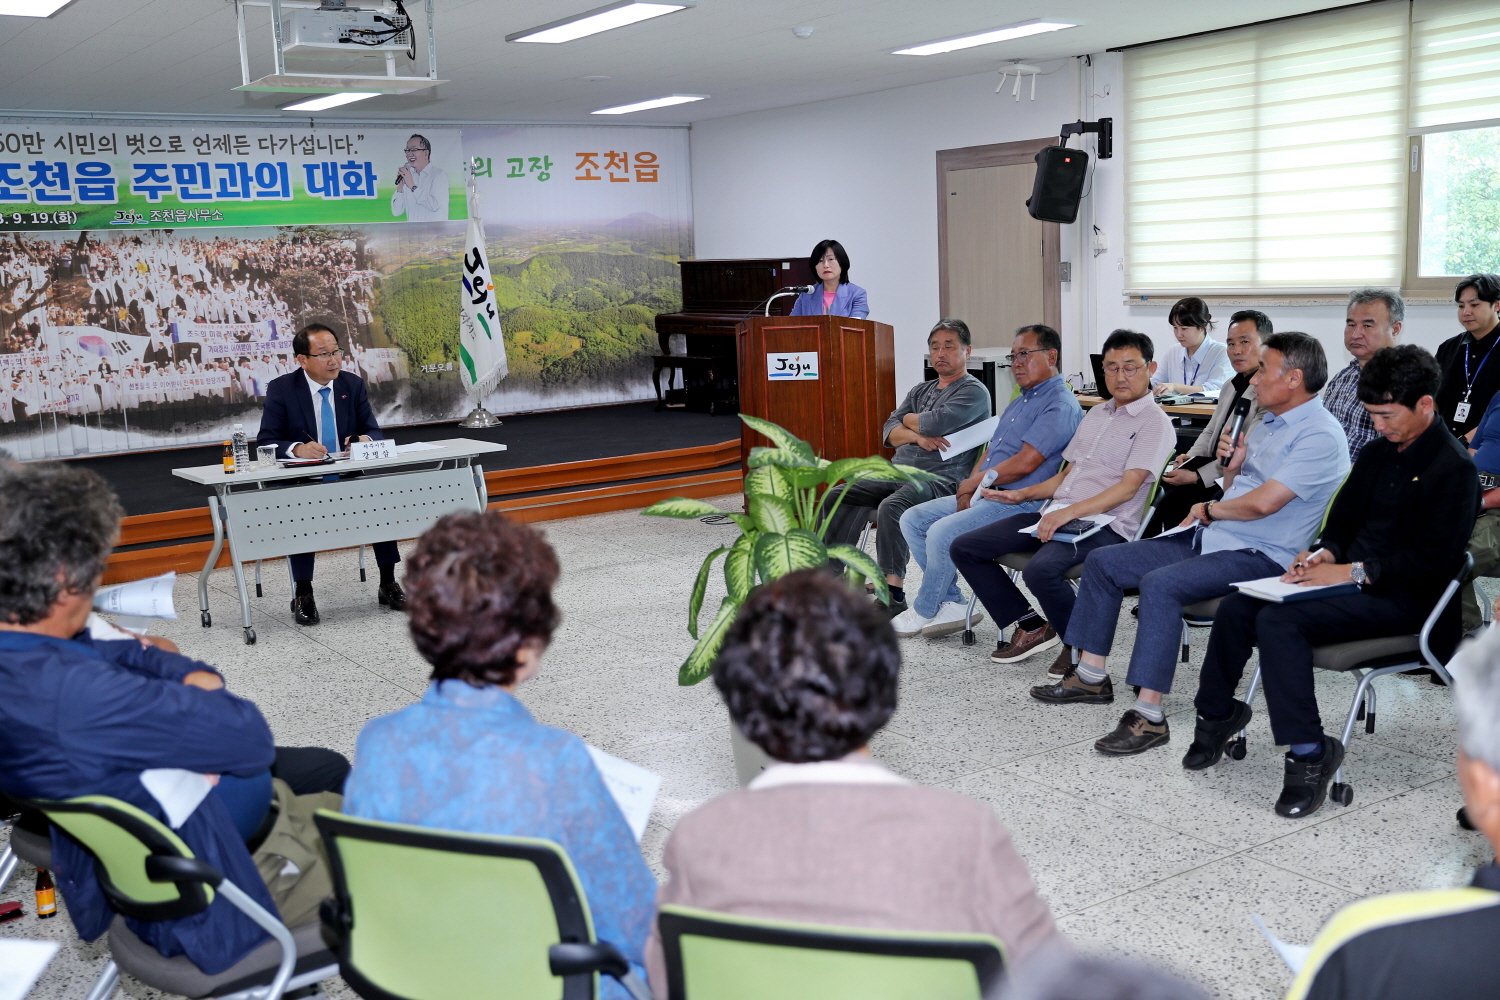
(1197, 363)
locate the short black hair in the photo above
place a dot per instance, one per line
(1401, 374)
(958, 326)
(839, 254)
(427, 146)
(1046, 337)
(1124, 340)
(300, 344)
(57, 526)
(1261, 320)
(809, 668)
(1302, 352)
(1191, 311)
(1486, 287)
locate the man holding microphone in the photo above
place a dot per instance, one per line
(313, 412)
(1398, 531)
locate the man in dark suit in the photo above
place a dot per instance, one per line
(309, 414)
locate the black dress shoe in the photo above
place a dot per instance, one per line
(1306, 783)
(304, 610)
(1212, 736)
(1135, 734)
(1464, 820)
(1072, 688)
(391, 594)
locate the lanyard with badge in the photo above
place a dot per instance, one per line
(1461, 411)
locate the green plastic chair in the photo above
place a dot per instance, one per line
(147, 872)
(717, 956)
(423, 914)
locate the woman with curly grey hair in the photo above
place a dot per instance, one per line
(828, 835)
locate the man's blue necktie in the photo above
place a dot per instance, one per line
(330, 426)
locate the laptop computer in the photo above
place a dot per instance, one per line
(1097, 360)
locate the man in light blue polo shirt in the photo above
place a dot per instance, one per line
(1276, 490)
(1026, 448)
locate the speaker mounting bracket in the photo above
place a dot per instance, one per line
(1104, 128)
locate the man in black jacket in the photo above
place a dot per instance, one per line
(1398, 530)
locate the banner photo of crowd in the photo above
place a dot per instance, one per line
(142, 337)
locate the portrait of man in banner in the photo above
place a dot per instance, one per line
(421, 186)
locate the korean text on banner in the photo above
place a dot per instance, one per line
(481, 348)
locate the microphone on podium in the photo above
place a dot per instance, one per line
(797, 289)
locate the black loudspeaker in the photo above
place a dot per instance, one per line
(1060, 173)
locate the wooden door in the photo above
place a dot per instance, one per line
(998, 267)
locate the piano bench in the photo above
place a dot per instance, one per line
(697, 373)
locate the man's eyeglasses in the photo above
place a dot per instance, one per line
(414, 149)
(327, 354)
(1129, 370)
(1011, 359)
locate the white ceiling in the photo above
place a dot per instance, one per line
(179, 57)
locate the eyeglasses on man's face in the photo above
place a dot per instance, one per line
(338, 353)
(1012, 359)
(1128, 370)
(414, 149)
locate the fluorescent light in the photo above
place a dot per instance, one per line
(31, 8)
(330, 101)
(983, 38)
(615, 15)
(659, 102)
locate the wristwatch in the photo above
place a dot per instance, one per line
(1208, 511)
(1357, 573)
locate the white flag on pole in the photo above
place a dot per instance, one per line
(481, 348)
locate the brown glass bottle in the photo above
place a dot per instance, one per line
(228, 458)
(46, 895)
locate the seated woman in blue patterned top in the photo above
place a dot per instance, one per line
(469, 756)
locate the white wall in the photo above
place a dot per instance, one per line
(862, 170)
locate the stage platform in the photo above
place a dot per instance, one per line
(560, 464)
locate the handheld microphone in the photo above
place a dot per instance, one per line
(1239, 415)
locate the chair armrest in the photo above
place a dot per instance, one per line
(1458, 579)
(172, 868)
(601, 956)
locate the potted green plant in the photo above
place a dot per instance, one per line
(781, 530)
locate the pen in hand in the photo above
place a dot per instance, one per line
(1310, 557)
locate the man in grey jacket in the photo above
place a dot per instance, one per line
(917, 429)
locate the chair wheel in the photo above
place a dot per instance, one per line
(1237, 749)
(207, 619)
(1342, 793)
(249, 636)
(969, 638)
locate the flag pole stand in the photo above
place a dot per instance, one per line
(480, 417)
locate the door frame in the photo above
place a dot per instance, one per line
(1001, 154)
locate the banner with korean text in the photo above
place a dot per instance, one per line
(58, 178)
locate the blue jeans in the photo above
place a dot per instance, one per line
(929, 530)
(1170, 574)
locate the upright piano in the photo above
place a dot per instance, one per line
(717, 297)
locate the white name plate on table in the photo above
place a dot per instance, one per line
(367, 451)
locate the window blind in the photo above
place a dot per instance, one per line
(1455, 63)
(1269, 157)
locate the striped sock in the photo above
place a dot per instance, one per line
(1151, 713)
(1091, 675)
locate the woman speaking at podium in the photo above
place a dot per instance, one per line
(837, 296)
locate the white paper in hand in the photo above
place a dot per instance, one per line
(178, 792)
(149, 598)
(974, 436)
(633, 787)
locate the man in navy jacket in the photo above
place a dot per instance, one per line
(309, 414)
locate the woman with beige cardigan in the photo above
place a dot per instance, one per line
(828, 835)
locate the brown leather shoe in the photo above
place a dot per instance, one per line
(1071, 688)
(1023, 644)
(1135, 734)
(1063, 665)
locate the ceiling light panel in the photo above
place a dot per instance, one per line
(659, 102)
(330, 101)
(615, 15)
(983, 38)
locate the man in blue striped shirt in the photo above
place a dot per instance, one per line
(1372, 322)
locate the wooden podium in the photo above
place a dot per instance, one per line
(842, 411)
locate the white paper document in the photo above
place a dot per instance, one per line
(1177, 530)
(101, 630)
(633, 787)
(149, 598)
(178, 792)
(1294, 955)
(21, 965)
(974, 436)
(1271, 588)
(1100, 520)
(406, 449)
